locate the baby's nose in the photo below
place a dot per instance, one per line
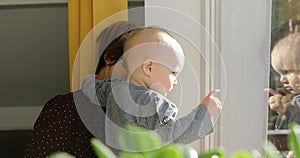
(283, 79)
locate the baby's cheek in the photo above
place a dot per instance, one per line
(158, 87)
(296, 83)
(297, 79)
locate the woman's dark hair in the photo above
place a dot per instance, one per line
(112, 53)
(110, 43)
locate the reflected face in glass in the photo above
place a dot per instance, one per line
(289, 71)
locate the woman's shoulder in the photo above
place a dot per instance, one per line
(62, 105)
(66, 101)
(68, 97)
(63, 97)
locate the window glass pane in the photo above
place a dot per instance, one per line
(285, 20)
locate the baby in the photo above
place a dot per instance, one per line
(286, 61)
(152, 60)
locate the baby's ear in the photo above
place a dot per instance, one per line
(148, 66)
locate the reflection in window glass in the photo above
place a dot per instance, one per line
(285, 21)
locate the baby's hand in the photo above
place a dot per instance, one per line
(212, 103)
(278, 102)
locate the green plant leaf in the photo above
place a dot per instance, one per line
(294, 139)
(170, 151)
(130, 155)
(137, 139)
(242, 154)
(270, 150)
(187, 151)
(61, 155)
(213, 154)
(102, 151)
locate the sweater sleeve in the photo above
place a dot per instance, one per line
(187, 129)
(197, 124)
(294, 110)
(136, 105)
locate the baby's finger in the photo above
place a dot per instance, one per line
(271, 100)
(274, 107)
(275, 99)
(270, 90)
(215, 100)
(286, 99)
(214, 92)
(216, 103)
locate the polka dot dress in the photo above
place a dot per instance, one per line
(59, 128)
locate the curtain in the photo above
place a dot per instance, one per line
(86, 20)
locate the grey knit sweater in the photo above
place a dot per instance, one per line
(126, 103)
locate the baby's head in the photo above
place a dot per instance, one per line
(286, 61)
(153, 59)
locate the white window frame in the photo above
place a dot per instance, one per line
(245, 40)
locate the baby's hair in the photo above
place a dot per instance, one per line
(131, 33)
(128, 35)
(288, 45)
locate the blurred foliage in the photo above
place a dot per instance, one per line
(294, 140)
(140, 147)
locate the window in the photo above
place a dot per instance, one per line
(285, 20)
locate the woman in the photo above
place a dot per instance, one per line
(65, 123)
